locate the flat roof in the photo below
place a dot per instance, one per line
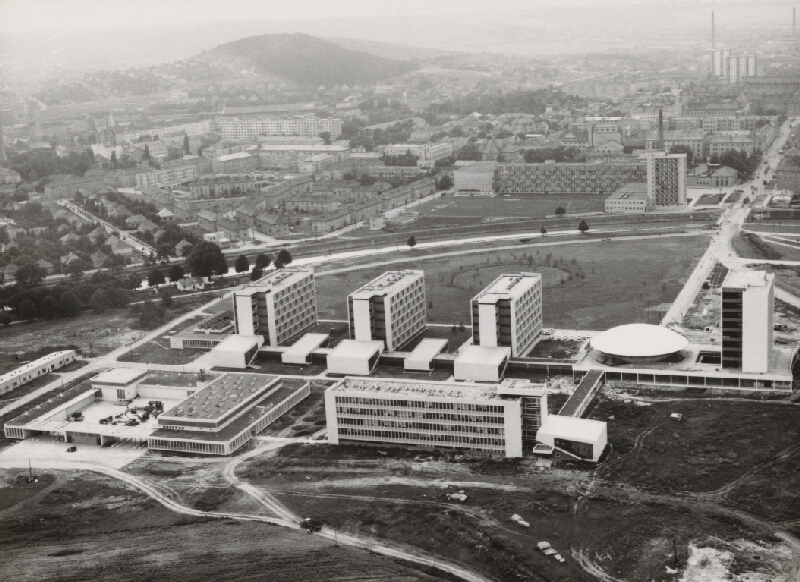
(221, 396)
(478, 168)
(356, 349)
(307, 344)
(236, 156)
(276, 280)
(387, 283)
(639, 340)
(483, 355)
(303, 147)
(260, 408)
(634, 190)
(567, 427)
(745, 279)
(417, 388)
(119, 376)
(508, 287)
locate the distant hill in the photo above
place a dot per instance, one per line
(389, 50)
(307, 60)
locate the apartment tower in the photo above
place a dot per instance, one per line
(748, 299)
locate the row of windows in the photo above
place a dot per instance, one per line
(385, 402)
(429, 426)
(479, 443)
(382, 412)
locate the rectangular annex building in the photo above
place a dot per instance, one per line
(424, 414)
(279, 307)
(748, 303)
(226, 414)
(34, 369)
(508, 313)
(391, 308)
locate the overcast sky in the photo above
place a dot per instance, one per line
(70, 15)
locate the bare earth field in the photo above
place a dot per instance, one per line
(80, 527)
(592, 286)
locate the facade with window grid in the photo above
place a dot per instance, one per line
(666, 179)
(279, 307)
(566, 177)
(424, 414)
(391, 308)
(508, 313)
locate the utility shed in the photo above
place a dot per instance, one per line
(422, 357)
(482, 364)
(355, 358)
(300, 352)
(235, 351)
(581, 437)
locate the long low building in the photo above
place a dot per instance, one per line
(35, 369)
(567, 177)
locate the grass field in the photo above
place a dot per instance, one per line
(84, 527)
(486, 209)
(591, 286)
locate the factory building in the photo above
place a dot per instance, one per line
(390, 308)
(748, 301)
(278, 307)
(508, 313)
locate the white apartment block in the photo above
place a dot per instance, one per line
(424, 152)
(666, 180)
(191, 129)
(428, 414)
(508, 313)
(166, 177)
(391, 308)
(248, 129)
(748, 302)
(279, 306)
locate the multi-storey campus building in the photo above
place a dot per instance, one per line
(566, 178)
(390, 308)
(248, 129)
(666, 180)
(278, 307)
(747, 321)
(508, 313)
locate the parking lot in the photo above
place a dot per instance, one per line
(50, 452)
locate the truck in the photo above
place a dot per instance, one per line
(310, 525)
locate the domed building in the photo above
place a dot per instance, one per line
(639, 343)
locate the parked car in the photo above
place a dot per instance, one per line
(72, 449)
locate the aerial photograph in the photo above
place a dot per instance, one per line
(437, 291)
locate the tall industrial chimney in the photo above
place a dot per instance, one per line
(713, 33)
(661, 129)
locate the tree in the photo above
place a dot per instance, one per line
(411, 242)
(113, 159)
(444, 183)
(683, 149)
(26, 310)
(155, 278)
(150, 315)
(49, 307)
(186, 148)
(256, 273)
(263, 260)
(70, 304)
(175, 273)
(29, 273)
(284, 258)
(100, 301)
(146, 154)
(76, 269)
(326, 135)
(207, 260)
(544, 231)
(166, 297)
(560, 211)
(5, 319)
(241, 265)
(583, 227)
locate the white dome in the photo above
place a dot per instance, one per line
(639, 340)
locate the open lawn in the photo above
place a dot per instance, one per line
(485, 209)
(591, 286)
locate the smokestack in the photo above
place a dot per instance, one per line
(661, 129)
(713, 32)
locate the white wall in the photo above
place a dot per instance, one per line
(513, 428)
(487, 314)
(330, 417)
(361, 320)
(756, 330)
